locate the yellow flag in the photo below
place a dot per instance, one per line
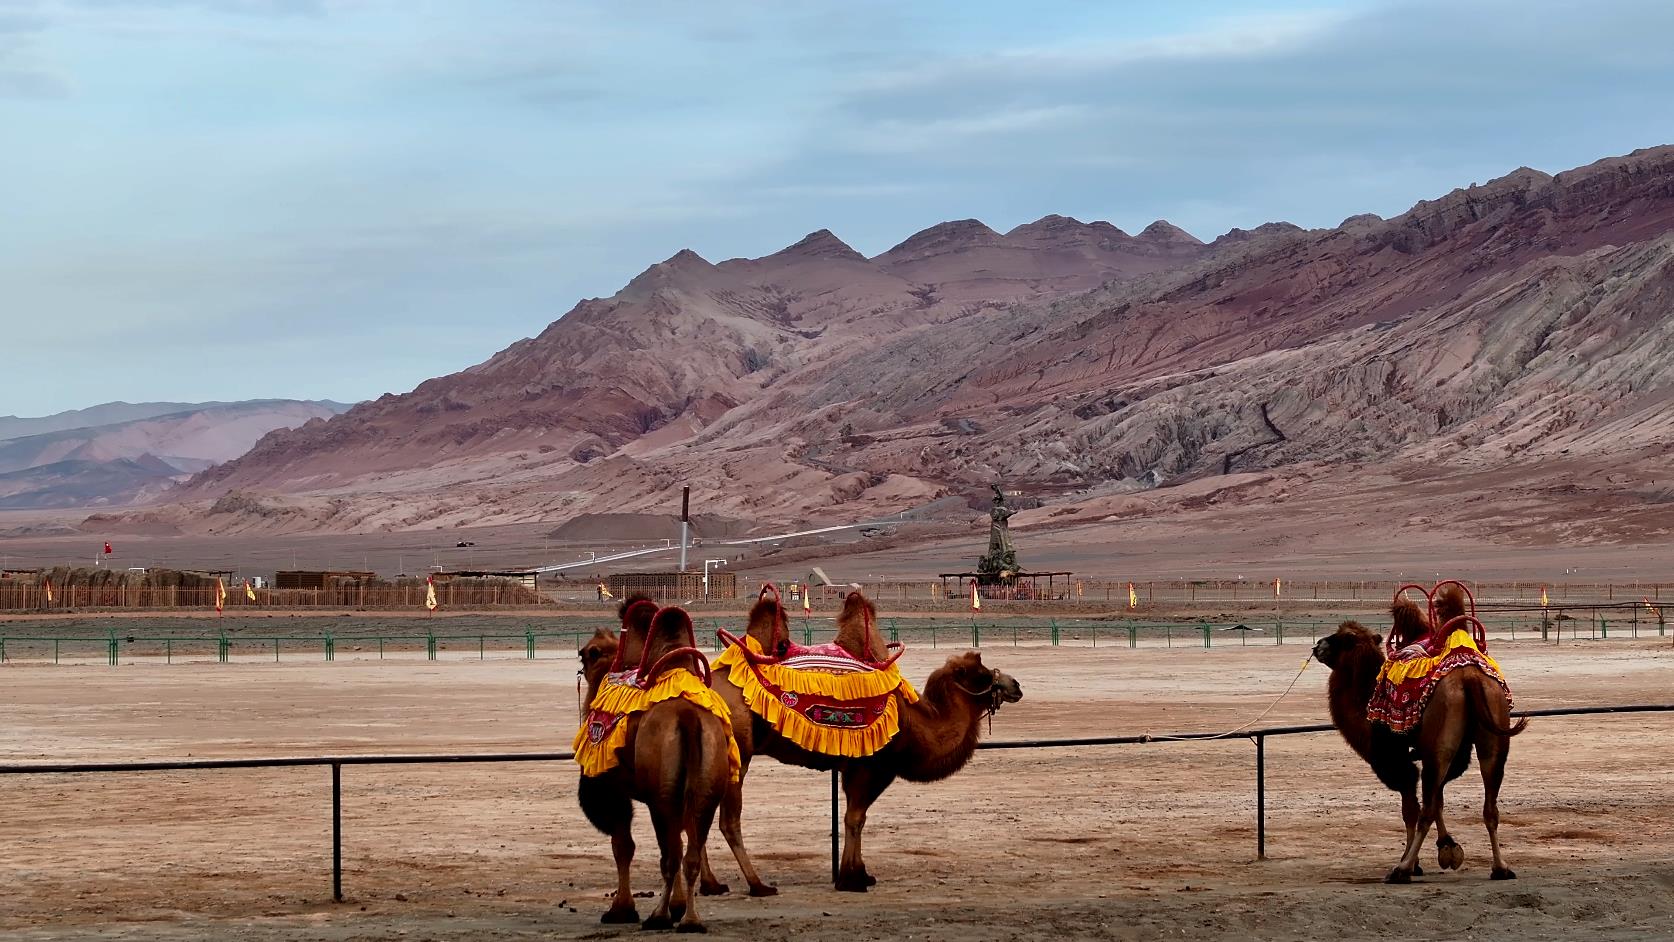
(220, 593)
(429, 593)
(976, 599)
(604, 592)
(249, 591)
(49, 590)
(1133, 597)
(1542, 596)
(1276, 587)
(807, 599)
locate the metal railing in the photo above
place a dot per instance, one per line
(1550, 624)
(336, 763)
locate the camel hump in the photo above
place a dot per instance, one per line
(1409, 623)
(1450, 604)
(857, 628)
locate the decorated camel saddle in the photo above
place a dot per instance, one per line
(677, 672)
(1424, 647)
(824, 698)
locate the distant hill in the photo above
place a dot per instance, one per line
(61, 461)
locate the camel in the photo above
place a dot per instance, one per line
(937, 737)
(1466, 710)
(674, 761)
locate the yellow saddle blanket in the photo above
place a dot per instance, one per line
(605, 730)
(832, 705)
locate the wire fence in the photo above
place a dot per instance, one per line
(1552, 624)
(1258, 737)
(87, 589)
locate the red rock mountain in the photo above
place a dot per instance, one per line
(1523, 319)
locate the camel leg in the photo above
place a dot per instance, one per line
(863, 782)
(1491, 751)
(1409, 817)
(668, 842)
(1435, 769)
(697, 825)
(1449, 855)
(622, 904)
(732, 828)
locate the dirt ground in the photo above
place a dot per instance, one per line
(1130, 842)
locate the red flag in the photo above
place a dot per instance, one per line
(107, 547)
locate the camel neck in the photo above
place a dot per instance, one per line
(940, 730)
(1350, 691)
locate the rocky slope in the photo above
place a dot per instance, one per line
(1498, 327)
(138, 452)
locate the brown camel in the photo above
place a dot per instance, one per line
(674, 760)
(1466, 709)
(937, 737)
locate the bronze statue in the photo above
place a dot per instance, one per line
(1000, 564)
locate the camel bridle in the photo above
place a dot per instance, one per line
(991, 693)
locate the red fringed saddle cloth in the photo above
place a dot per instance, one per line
(1409, 677)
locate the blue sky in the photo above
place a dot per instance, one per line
(223, 199)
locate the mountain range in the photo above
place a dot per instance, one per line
(1502, 327)
(119, 452)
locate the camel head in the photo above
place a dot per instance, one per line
(769, 625)
(597, 654)
(1351, 637)
(990, 686)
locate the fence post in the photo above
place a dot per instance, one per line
(337, 832)
(330, 647)
(529, 642)
(1133, 636)
(221, 646)
(1205, 629)
(1261, 797)
(894, 631)
(430, 644)
(1054, 632)
(1279, 630)
(168, 650)
(834, 847)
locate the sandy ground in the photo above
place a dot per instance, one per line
(1141, 842)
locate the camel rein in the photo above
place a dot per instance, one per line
(1147, 737)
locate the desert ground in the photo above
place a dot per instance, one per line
(1130, 842)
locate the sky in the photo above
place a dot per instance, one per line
(230, 199)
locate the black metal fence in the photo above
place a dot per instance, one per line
(336, 763)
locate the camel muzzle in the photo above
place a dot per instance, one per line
(1008, 688)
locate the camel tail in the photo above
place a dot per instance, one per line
(691, 760)
(1485, 711)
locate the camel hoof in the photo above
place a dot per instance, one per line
(764, 890)
(1398, 876)
(1417, 870)
(1449, 854)
(691, 927)
(1503, 873)
(851, 883)
(618, 914)
(870, 880)
(714, 889)
(657, 922)
(676, 911)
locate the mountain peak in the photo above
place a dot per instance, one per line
(942, 238)
(1265, 229)
(683, 262)
(1054, 227)
(822, 243)
(1164, 232)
